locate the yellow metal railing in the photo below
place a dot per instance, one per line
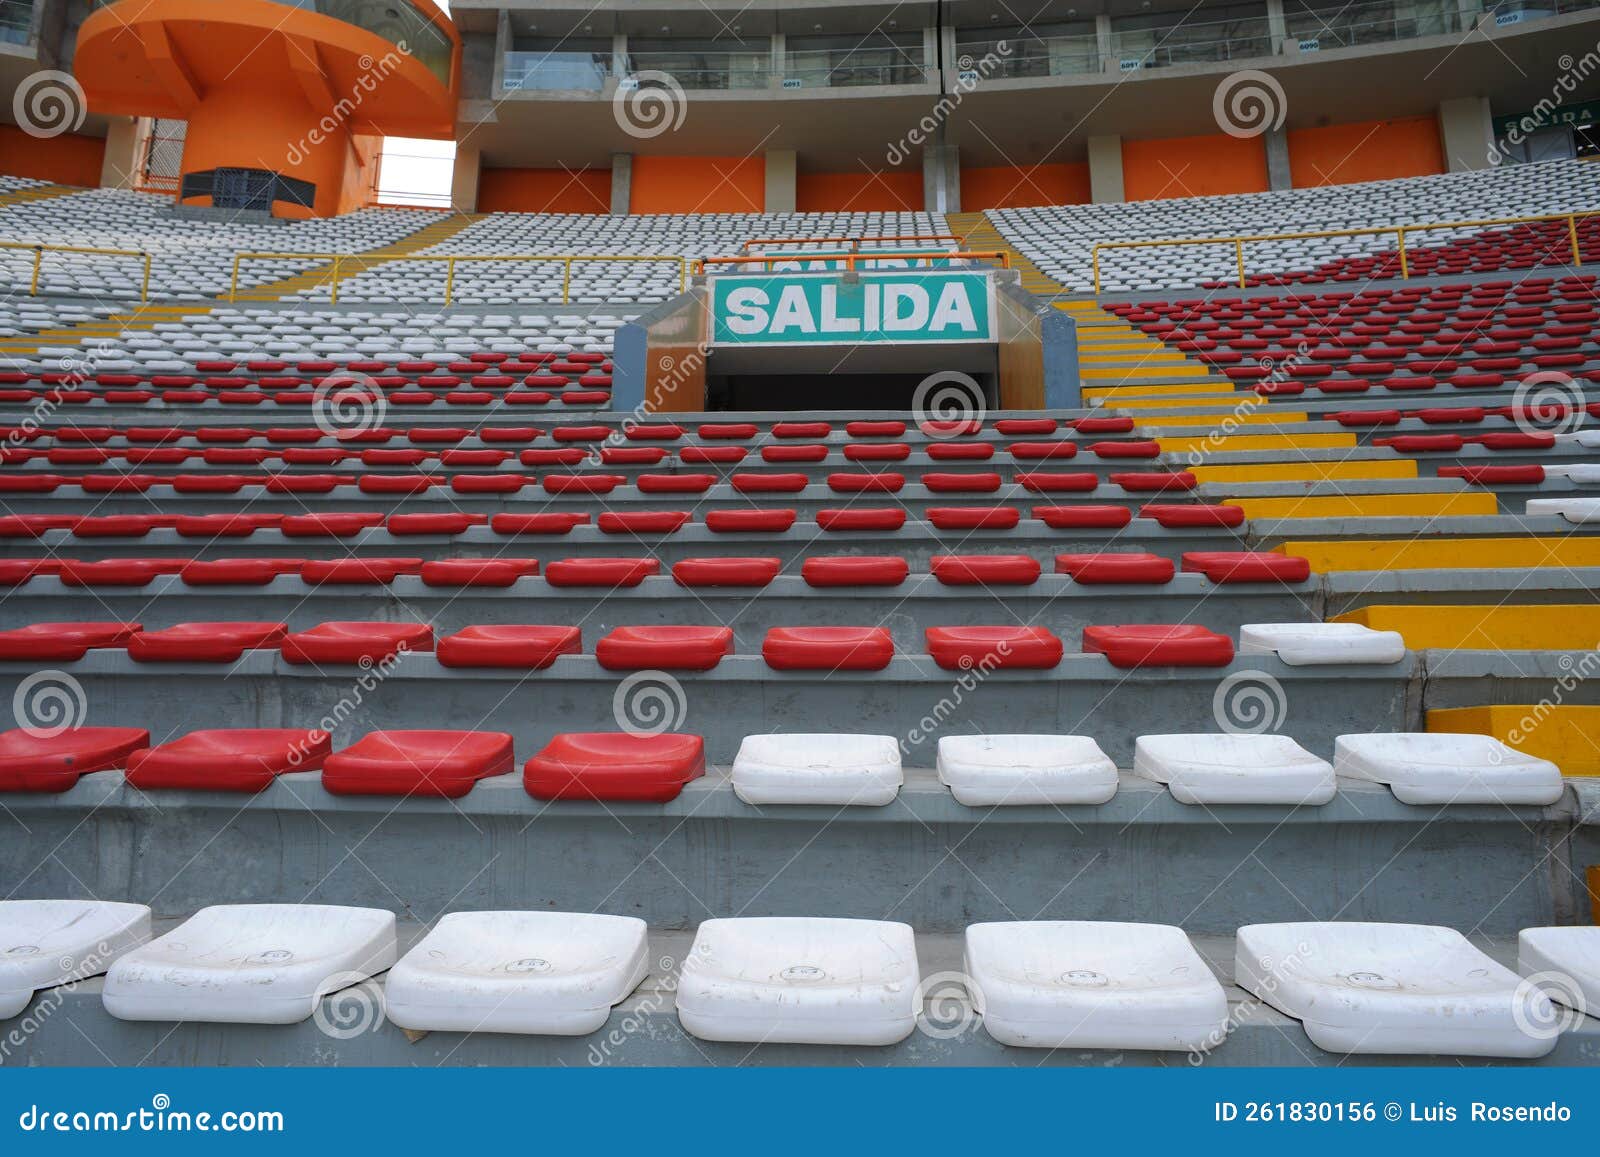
(370, 260)
(40, 250)
(1400, 232)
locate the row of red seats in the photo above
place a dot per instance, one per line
(477, 363)
(195, 396)
(670, 648)
(505, 482)
(545, 524)
(817, 571)
(1571, 289)
(573, 765)
(1551, 414)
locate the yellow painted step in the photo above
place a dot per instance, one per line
(1370, 506)
(1488, 627)
(1271, 418)
(1567, 736)
(1445, 553)
(1170, 390)
(1308, 471)
(1228, 443)
(1184, 370)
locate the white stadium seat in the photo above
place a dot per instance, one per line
(1220, 769)
(986, 770)
(1442, 768)
(44, 943)
(818, 769)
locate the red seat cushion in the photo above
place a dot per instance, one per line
(204, 642)
(974, 517)
(1136, 449)
(827, 648)
(1531, 474)
(726, 572)
(1025, 427)
(477, 572)
(1103, 425)
(115, 525)
(358, 571)
(875, 429)
(1244, 566)
(982, 483)
(1144, 483)
(632, 455)
(554, 522)
(581, 483)
(441, 523)
(662, 432)
(989, 648)
(570, 456)
(877, 452)
(797, 453)
(396, 483)
(600, 572)
(487, 483)
(63, 642)
(1175, 516)
(118, 572)
(238, 571)
(862, 518)
(1125, 567)
(606, 765)
(801, 429)
(732, 431)
(983, 569)
(642, 521)
(327, 525)
(224, 525)
(31, 760)
(1082, 517)
(347, 642)
(855, 571)
(712, 455)
(675, 483)
(746, 483)
(885, 482)
(1048, 482)
(1159, 645)
(420, 763)
(246, 759)
(531, 648)
(960, 451)
(664, 648)
(1516, 440)
(1035, 451)
(749, 521)
(596, 433)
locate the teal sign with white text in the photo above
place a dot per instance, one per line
(817, 309)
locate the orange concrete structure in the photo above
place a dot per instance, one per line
(265, 85)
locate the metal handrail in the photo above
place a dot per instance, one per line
(698, 267)
(40, 250)
(1400, 231)
(450, 261)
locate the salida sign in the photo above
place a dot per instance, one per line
(795, 309)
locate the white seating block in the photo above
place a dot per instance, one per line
(1423, 768)
(1575, 509)
(1568, 960)
(985, 770)
(1309, 644)
(44, 943)
(818, 769)
(1203, 768)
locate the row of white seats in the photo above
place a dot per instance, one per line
(1358, 988)
(996, 770)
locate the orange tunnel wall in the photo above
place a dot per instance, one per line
(886, 192)
(544, 191)
(1010, 187)
(1193, 167)
(69, 159)
(698, 185)
(1365, 151)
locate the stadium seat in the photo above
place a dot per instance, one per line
(1159, 645)
(1448, 769)
(550, 522)
(566, 970)
(742, 981)
(749, 521)
(984, 569)
(1396, 989)
(1114, 568)
(34, 760)
(1224, 769)
(63, 642)
(204, 642)
(817, 769)
(677, 648)
(973, 517)
(615, 766)
(70, 940)
(992, 770)
(859, 518)
(855, 571)
(354, 642)
(1228, 566)
(242, 760)
(827, 648)
(417, 763)
(531, 648)
(1308, 644)
(600, 572)
(1071, 984)
(238, 571)
(1083, 517)
(250, 963)
(1570, 957)
(477, 572)
(726, 572)
(994, 648)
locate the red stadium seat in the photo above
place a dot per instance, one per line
(1177, 516)
(1134, 449)
(960, 451)
(33, 761)
(253, 572)
(1025, 427)
(441, 523)
(875, 429)
(984, 569)
(664, 648)
(614, 766)
(531, 648)
(204, 642)
(1082, 517)
(1146, 483)
(726, 572)
(477, 572)
(746, 483)
(63, 642)
(600, 572)
(1227, 566)
(642, 521)
(978, 483)
(418, 763)
(1048, 482)
(224, 525)
(877, 451)
(862, 518)
(991, 648)
(327, 525)
(581, 483)
(749, 521)
(728, 431)
(973, 517)
(242, 760)
(554, 522)
(118, 572)
(801, 430)
(348, 642)
(1036, 451)
(1152, 645)
(827, 648)
(855, 571)
(358, 571)
(675, 483)
(1113, 568)
(711, 455)
(794, 453)
(1531, 474)
(885, 482)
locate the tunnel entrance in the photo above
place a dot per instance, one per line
(804, 392)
